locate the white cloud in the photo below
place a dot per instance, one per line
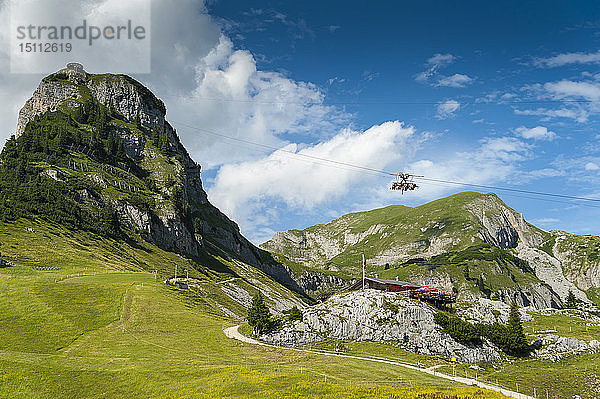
(335, 79)
(508, 149)
(432, 76)
(205, 82)
(435, 63)
(456, 80)
(234, 98)
(123, 56)
(496, 159)
(300, 180)
(569, 58)
(580, 99)
(578, 114)
(447, 109)
(176, 49)
(441, 59)
(544, 221)
(581, 170)
(567, 88)
(536, 133)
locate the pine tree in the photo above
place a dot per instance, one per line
(138, 121)
(163, 143)
(155, 135)
(516, 337)
(571, 301)
(259, 316)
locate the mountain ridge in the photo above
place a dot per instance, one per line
(396, 235)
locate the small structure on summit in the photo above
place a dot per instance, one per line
(75, 66)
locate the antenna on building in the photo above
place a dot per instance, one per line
(364, 266)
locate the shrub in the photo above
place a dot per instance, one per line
(293, 314)
(458, 329)
(509, 338)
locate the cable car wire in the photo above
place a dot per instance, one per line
(365, 168)
(510, 189)
(385, 102)
(332, 162)
(545, 199)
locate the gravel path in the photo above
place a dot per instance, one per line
(233, 333)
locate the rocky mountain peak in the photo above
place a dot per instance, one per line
(119, 92)
(500, 225)
(110, 147)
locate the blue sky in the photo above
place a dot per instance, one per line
(493, 93)
(396, 60)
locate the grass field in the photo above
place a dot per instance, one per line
(116, 332)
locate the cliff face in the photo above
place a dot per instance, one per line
(156, 187)
(449, 243)
(580, 258)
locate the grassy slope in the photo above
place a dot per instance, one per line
(575, 375)
(497, 267)
(123, 334)
(403, 226)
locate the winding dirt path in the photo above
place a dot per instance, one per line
(233, 333)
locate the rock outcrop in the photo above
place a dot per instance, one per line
(549, 270)
(500, 225)
(379, 316)
(580, 258)
(46, 98)
(320, 283)
(555, 347)
(483, 310)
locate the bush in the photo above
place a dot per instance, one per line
(458, 329)
(509, 338)
(293, 314)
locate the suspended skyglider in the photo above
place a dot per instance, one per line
(404, 182)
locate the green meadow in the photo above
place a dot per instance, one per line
(102, 326)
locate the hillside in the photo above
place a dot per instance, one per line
(471, 242)
(100, 204)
